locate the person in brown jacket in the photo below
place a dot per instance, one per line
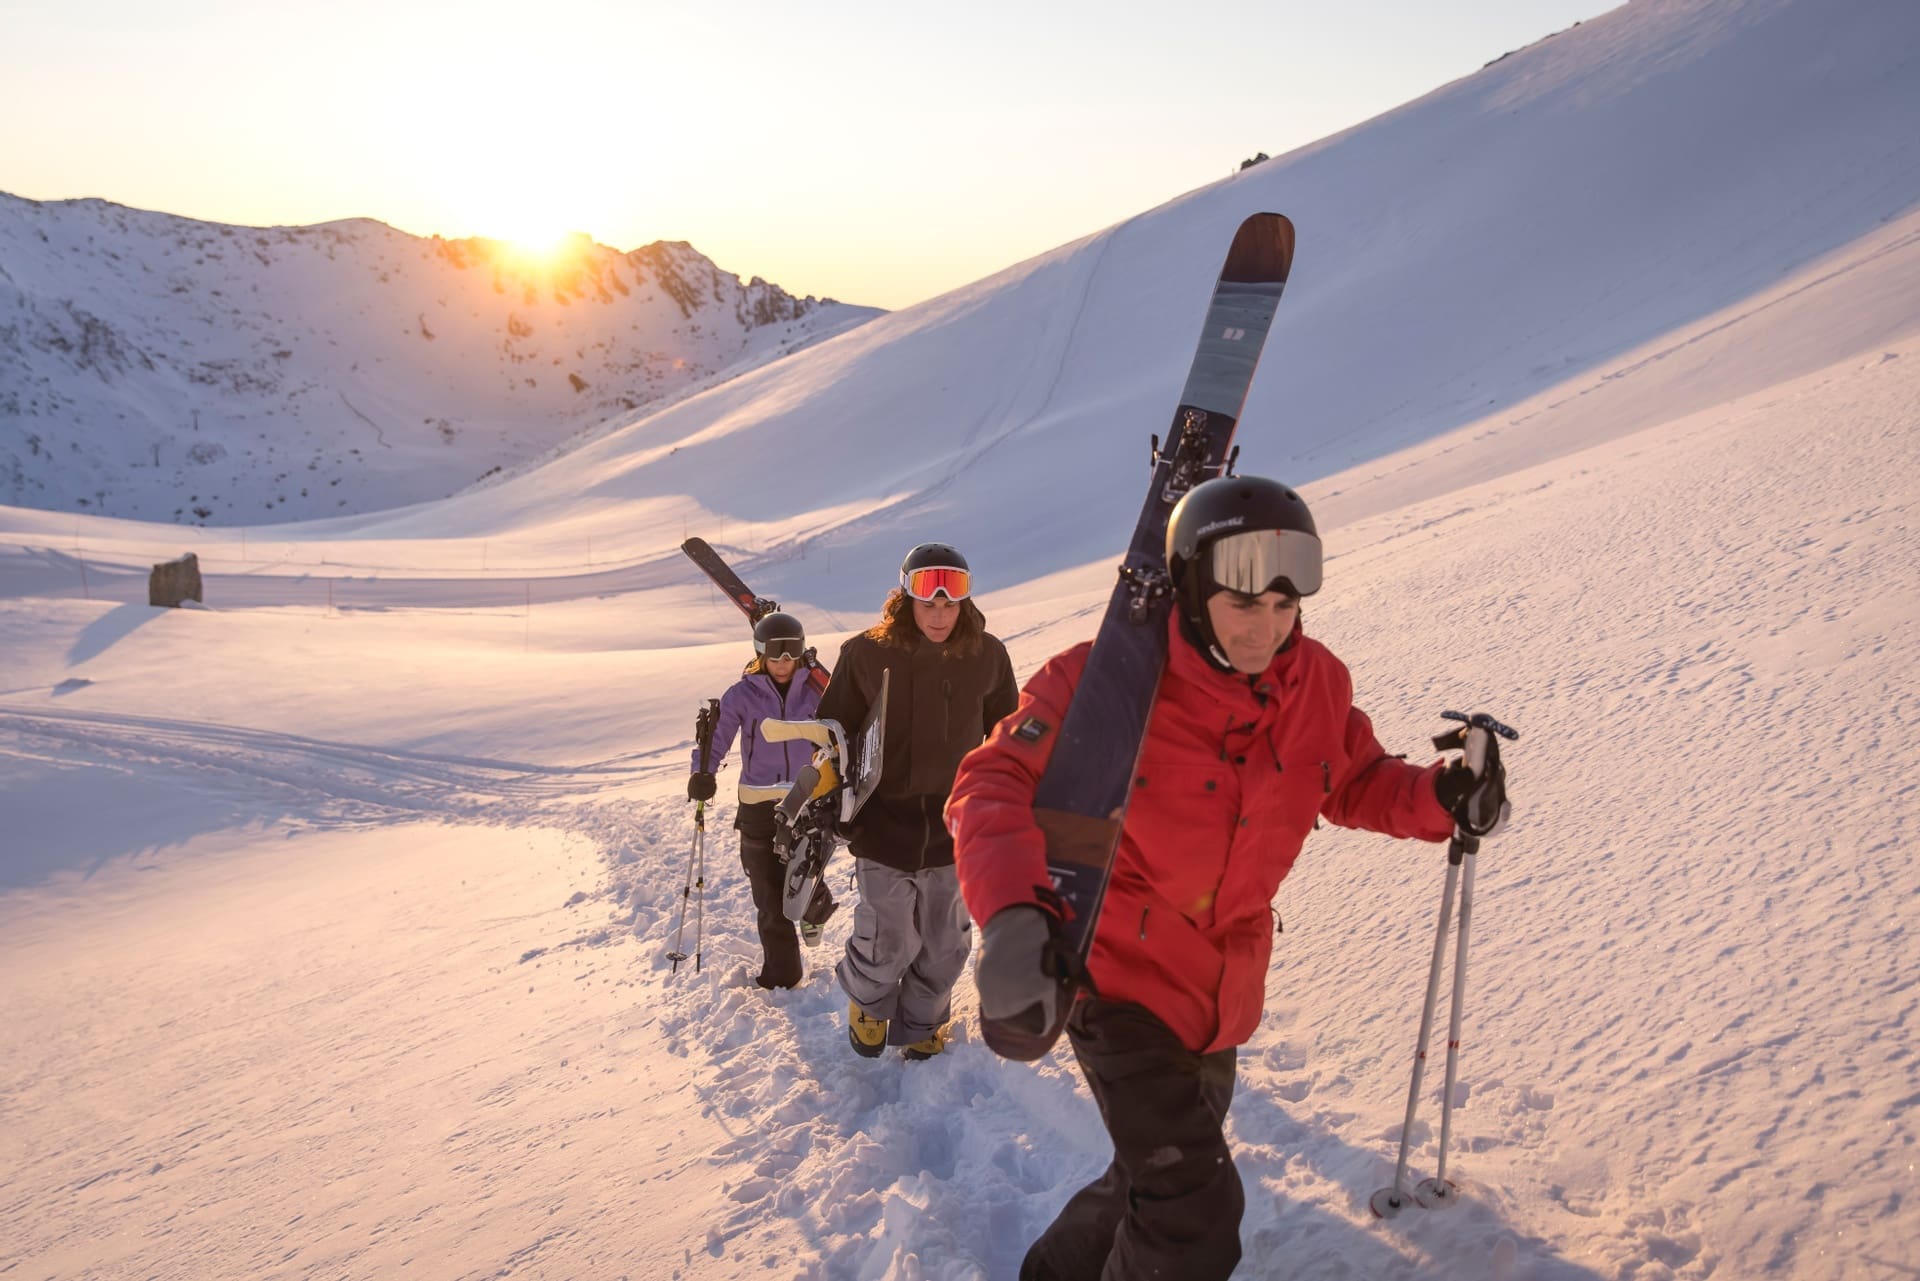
(950, 683)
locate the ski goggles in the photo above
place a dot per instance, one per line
(925, 584)
(783, 647)
(1266, 560)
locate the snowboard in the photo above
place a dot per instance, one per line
(1081, 802)
(754, 607)
(828, 792)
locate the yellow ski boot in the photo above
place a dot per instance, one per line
(867, 1036)
(931, 1046)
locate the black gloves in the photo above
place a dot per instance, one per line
(1478, 803)
(1015, 987)
(700, 787)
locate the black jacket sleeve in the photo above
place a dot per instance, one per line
(845, 701)
(1003, 695)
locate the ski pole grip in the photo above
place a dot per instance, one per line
(704, 724)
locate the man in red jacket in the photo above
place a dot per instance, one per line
(1253, 736)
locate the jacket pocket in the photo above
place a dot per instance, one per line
(1181, 817)
(1288, 801)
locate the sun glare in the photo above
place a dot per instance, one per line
(490, 194)
(538, 242)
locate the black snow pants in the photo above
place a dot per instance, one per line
(779, 941)
(1169, 1205)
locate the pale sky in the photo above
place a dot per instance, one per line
(876, 153)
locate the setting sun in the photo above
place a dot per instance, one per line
(538, 241)
(536, 217)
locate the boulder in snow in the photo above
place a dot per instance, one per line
(174, 581)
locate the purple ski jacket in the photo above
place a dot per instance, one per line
(753, 699)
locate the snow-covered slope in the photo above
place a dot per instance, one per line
(333, 918)
(1520, 229)
(166, 369)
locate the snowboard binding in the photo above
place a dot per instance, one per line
(824, 796)
(803, 822)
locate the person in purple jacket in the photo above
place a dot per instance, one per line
(773, 687)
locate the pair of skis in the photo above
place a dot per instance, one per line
(715, 567)
(1080, 804)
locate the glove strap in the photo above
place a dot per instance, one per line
(1059, 960)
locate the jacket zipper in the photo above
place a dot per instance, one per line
(926, 833)
(946, 736)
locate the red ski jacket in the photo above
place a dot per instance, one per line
(1233, 774)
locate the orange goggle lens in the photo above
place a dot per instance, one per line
(925, 584)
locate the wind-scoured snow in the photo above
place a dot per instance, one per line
(334, 916)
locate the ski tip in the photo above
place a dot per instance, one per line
(1262, 250)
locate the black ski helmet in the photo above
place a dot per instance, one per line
(779, 636)
(1209, 548)
(934, 556)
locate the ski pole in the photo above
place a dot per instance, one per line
(677, 953)
(700, 879)
(1479, 752)
(1389, 1201)
(1439, 1191)
(703, 726)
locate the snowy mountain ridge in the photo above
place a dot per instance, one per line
(167, 369)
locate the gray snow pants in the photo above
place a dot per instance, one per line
(909, 946)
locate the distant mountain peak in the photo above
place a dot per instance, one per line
(171, 368)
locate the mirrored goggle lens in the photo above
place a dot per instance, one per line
(925, 584)
(785, 647)
(1265, 560)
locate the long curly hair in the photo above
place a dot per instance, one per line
(896, 627)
